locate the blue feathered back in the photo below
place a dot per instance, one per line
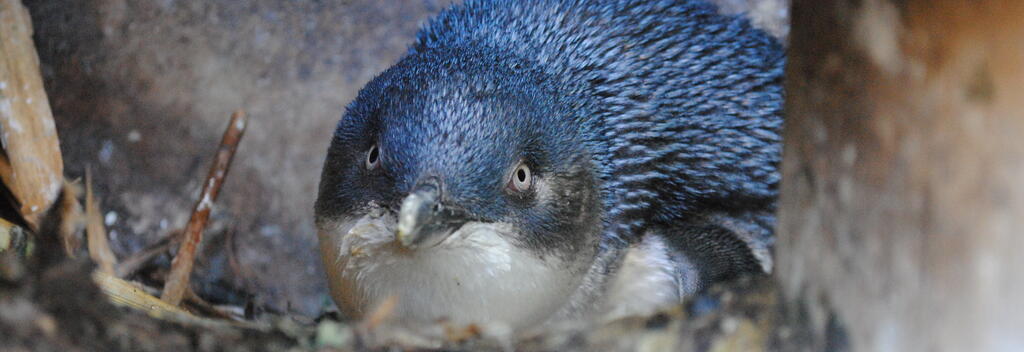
(681, 106)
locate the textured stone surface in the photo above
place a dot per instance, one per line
(902, 198)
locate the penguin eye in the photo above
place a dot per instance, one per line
(372, 157)
(522, 178)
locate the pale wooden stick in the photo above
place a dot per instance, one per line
(31, 167)
(96, 233)
(181, 267)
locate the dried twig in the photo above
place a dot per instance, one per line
(72, 218)
(139, 259)
(31, 165)
(181, 267)
(96, 233)
(209, 309)
(130, 294)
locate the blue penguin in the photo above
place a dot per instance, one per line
(532, 161)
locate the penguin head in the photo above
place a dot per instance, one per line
(447, 138)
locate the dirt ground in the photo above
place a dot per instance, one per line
(58, 309)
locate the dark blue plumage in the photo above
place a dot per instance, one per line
(682, 105)
(638, 118)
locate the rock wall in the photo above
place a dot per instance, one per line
(902, 196)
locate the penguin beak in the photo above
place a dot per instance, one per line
(424, 221)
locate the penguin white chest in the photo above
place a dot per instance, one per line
(476, 275)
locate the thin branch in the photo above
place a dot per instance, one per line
(181, 267)
(99, 245)
(137, 261)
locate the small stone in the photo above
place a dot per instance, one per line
(332, 334)
(110, 219)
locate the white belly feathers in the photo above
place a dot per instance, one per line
(473, 276)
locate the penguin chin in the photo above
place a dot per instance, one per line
(479, 274)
